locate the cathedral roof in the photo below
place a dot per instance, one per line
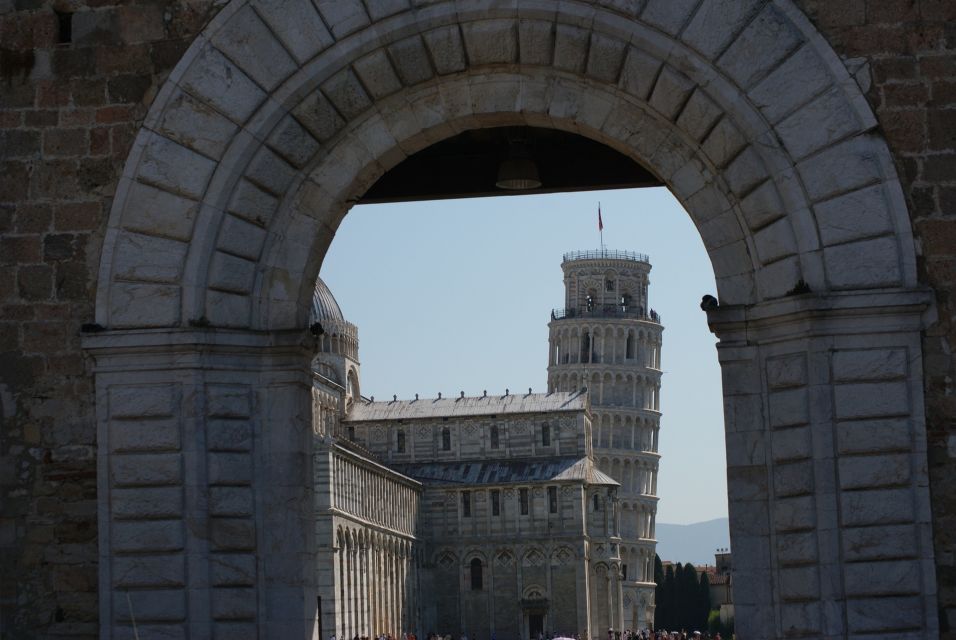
(478, 472)
(324, 306)
(461, 407)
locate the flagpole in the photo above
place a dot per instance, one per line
(601, 227)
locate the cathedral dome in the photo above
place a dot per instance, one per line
(324, 306)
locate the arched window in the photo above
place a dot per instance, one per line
(445, 439)
(466, 504)
(585, 346)
(552, 499)
(597, 502)
(400, 441)
(352, 434)
(523, 499)
(629, 346)
(494, 436)
(476, 575)
(545, 435)
(625, 302)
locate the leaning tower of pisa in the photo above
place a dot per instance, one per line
(608, 339)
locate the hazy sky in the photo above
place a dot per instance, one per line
(456, 295)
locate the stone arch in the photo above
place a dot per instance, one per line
(277, 119)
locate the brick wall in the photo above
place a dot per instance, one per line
(68, 113)
(910, 46)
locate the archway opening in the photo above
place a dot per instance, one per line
(471, 284)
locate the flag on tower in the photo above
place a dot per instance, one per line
(600, 222)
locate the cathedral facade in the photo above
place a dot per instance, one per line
(498, 516)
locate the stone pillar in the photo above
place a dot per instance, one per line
(826, 465)
(206, 524)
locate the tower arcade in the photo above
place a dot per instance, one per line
(608, 339)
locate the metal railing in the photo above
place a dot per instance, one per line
(607, 311)
(608, 254)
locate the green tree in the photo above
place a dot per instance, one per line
(688, 598)
(658, 592)
(703, 600)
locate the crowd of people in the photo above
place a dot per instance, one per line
(645, 634)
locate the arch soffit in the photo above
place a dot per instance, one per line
(274, 123)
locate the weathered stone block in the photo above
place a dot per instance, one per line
(874, 471)
(879, 614)
(347, 94)
(231, 501)
(271, 172)
(880, 543)
(150, 605)
(149, 571)
(793, 479)
(143, 305)
(854, 215)
(377, 74)
(789, 408)
(794, 82)
(799, 583)
(801, 618)
(668, 15)
(146, 210)
(217, 81)
(864, 264)
(797, 548)
(639, 72)
(671, 92)
(871, 400)
(869, 364)
(344, 16)
(605, 57)
(152, 535)
(536, 41)
(136, 401)
(139, 435)
(224, 309)
(232, 569)
(877, 507)
(841, 168)
(147, 503)
(886, 578)
(230, 469)
(174, 167)
(293, 142)
(873, 436)
(297, 25)
(770, 33)
(196, 125)
(232, 534)
(816, 125)
(229, 435)
(717, 22)
(762, 206)
(699, 115)
(149, 258)
(411, 60)
(775, 241)
(246, 40)
(228, 401)
(230, 273)
(241, 238)
(252, 203)
(747, 483)
(491, 41)
(791, 444)
(146, 469)
(446, 48)
(794, 514)
(570, 48)
(317, 115)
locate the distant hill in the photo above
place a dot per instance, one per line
(694, 543)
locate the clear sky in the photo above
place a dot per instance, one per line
(456, 295)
